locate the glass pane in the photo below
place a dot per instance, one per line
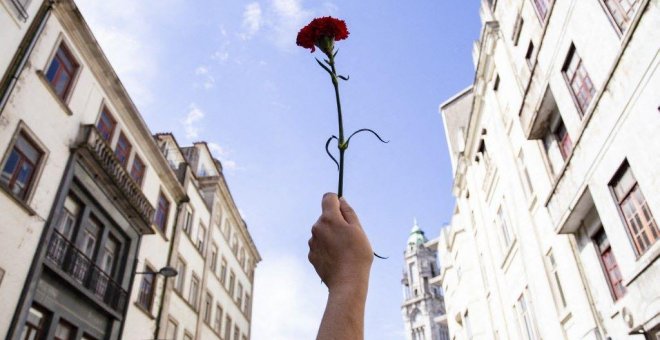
(61, 83)
(10, 166)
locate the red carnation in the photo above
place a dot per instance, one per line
(322, 33)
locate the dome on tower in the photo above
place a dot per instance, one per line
(416, 235)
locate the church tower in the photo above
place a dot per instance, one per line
(423, 303)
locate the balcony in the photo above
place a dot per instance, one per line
(77, 266)
(99, 156)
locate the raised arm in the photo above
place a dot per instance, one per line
(341, 253)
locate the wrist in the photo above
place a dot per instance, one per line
(354, 287)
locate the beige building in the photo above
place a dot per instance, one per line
(94, 208)
(554, 154)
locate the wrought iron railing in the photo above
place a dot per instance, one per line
(106, 157)
(72, 261)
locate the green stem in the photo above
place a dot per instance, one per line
(341, 141)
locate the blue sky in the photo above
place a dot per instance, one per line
(229, 73)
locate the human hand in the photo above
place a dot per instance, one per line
(339, 249)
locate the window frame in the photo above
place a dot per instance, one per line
(125, 150)
(66, 95)
(625, 166)
(162, 197)
(582, 107)
(602, 246)
(180, 281)
(208, 308)
(105, 111)
(628, 18)
(543, 17)
(148, 270)
(195, 299)
(140, 175)
(28, 137)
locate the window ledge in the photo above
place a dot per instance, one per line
(24, 205)
(508, 255)
(185, 301)
(143, 310)
(643, 262)
(59, 100)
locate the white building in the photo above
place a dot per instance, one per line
(92, 207)
(423, 307)
(555, 162)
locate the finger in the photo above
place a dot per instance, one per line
(347, 212)
(330, 203)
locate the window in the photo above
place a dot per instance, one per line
(557, 143)
(20, 167)
(146, 293)
(181, 277)
(35, 324)
(527, 181)
(208, 305)
(496, 83)
(239, 296)
(106, 125)
(194, 291)
(64, 331)
(542, 7)
(20, 8)
(525, 320)
(232, 280)
(137, 170)
(170, 332)
(555, 282)
(223, 271)
(109, 256)
(578, 80)
(517, 29)
(62, 70)
(467, 325)
(610, 266)
(214, 258)
(529, 54)
(234, 244)
(201, 237)
(187, 225)
(641, 224)
(241, 257)
(217, 325)
(123, 149)
(246, 308)
(227, 327)
(160, 219)
(622, 12)
(68, 217)
(237, 333)
(504, 228)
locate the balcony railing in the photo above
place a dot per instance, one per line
(72, 261)
(105, 157)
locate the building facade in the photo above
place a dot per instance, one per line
(423, 307)
(93, 208)
(554, 233)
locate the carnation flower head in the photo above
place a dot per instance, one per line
(322, 33)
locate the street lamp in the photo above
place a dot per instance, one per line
(166, 271)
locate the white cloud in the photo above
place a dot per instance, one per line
(223, 154)
(126, 38)
(252, 20)
(193, 116)
(289, 299)
(288, 17)
(207, 80)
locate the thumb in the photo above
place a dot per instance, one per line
(347, 212)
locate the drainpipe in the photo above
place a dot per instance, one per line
(170, 254)
(24, 51)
